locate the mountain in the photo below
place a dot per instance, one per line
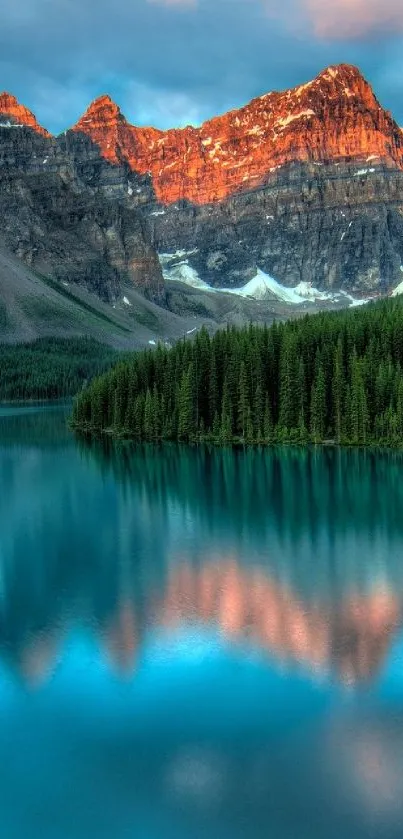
(296, 195)
(15, 115)
(335, 118)
(62, 211)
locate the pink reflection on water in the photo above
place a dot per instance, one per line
(348, 637)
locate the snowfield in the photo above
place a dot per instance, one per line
(260, 287)
(181, 272)
(398, 290)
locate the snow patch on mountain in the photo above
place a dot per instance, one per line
(182, 272)
(355, 301)
(399, 289)
(361, 172)
(285, 121)
(261, 287)
(167, 258)
(308, 292)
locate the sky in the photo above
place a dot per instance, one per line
(176, 62)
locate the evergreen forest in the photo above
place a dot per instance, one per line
(51, 368)
(334, 376)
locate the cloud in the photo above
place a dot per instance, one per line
(354, 19)
(178, 4)
(155, 106)
(170, 62)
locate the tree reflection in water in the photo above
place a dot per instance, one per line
(199, 643)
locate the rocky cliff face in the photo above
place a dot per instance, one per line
(305, 185)
(64, 210)
(334, 118)
(12, 114)
(332, 226)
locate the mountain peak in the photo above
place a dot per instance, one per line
(17, 114)
(101, 110)
(336, 70)
(105, 101)
(103, 122)
(333, 118)
(347, 80)
(8, 100)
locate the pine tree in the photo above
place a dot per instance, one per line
(185, 407)
(302, 402)
(213, 387)
(148, 416)
(243, 401)
(318, 407)
(120, 404)
(226, 414)
(267, 422)
(358, 404)
(258, 410)
(338, 386)
(399, 409)
(132, 390)
(96, 406)
(138, 417)
(250, 435)
(156, 414)
(216, 426)
(287, 384)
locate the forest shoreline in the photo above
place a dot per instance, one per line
(333, 379)
(235, 444)
(63, 400)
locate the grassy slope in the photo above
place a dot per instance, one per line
(32, 306)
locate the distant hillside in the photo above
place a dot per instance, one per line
(35, 306)
(51, 368)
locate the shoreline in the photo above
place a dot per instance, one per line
(235, 443)
(64, 400)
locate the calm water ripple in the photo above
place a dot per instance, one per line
(198, 643)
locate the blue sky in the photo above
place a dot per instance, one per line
(173, 62)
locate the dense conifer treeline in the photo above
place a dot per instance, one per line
(51, 368)
(332, 376)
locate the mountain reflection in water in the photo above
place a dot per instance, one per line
(347, 638)
(198, 644)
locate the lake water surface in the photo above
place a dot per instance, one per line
(197, 644)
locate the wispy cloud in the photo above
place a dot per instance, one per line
(176, 4)
(350, 19)
(170, 62)
(162, 107)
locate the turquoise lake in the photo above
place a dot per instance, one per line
(197, 644)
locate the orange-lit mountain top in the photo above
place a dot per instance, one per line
(333, 118)
(11, 112)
